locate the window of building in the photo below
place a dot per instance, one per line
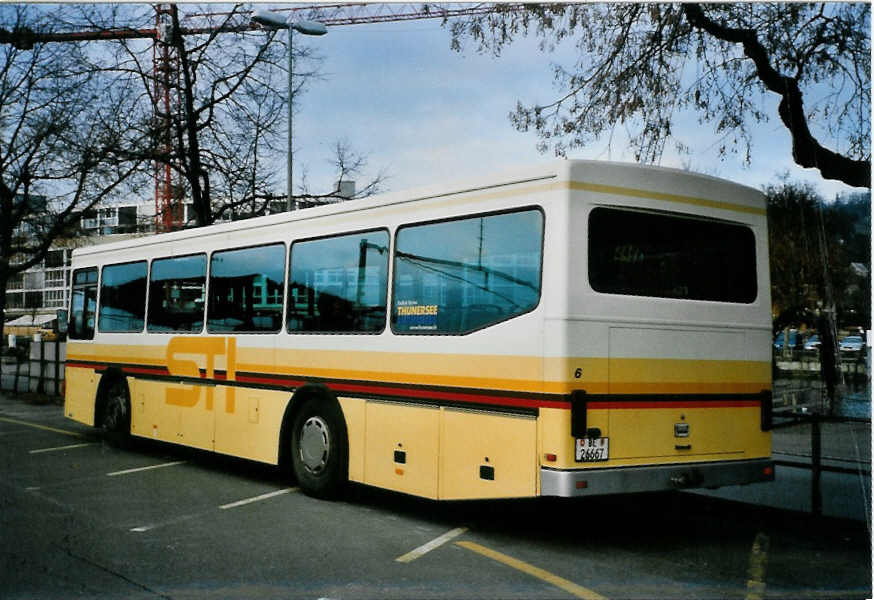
(454, 277)
(669, 256)
(123, 297)
(246, 289)
(34, 280)
(83, 304)
(33, 300)
(339, 284)
(176, 294)
(54, 299)
(55, 278)
(54, 259)
(14, 300)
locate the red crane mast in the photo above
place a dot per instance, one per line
(165, 60)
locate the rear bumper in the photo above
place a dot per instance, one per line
(621, 480)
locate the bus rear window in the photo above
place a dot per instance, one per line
(667, 256)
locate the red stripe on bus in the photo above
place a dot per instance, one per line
(471, 397)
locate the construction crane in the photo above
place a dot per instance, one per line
(166, 63)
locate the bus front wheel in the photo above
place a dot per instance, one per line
(115, 411)
(319, 451)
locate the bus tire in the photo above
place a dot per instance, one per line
(114, 414)
(319, 448)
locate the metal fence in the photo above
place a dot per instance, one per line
(41, 371)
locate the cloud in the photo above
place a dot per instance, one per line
(399, 94)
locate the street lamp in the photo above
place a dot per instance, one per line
(271, 20)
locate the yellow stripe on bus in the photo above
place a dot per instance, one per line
(530, 373)
(635, 193)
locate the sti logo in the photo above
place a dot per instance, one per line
(193, 348)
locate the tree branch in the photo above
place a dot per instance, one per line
(806, 150)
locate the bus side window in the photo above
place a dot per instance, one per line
(339, 284)
(176, 294)
(460, 275)
(246, 289)
(123, 297)
(83, 305)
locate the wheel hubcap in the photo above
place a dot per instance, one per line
(115, 410)
(314, 445)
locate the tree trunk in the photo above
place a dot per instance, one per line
(198, 178)
(4, 280)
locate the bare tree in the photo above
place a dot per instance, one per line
(219, 122)
(62, 134)
(348, 165)
(640, 65)
(223, 133)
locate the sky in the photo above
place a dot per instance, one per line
(423, 113)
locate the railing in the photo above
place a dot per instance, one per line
(42, 372)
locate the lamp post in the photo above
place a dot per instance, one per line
(271, 20)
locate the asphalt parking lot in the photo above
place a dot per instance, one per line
(81, 517)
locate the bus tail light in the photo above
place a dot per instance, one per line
(578, 413)
(551, 458)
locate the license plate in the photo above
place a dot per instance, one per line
(593, 449)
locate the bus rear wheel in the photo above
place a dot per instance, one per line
(319, 450)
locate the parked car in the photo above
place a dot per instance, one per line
(813, 343)
(794, 340)
(852, 345)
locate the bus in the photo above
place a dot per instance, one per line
(571, 329)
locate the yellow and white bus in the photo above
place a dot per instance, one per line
(572, 329)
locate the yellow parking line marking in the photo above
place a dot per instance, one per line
(258, 498)
(435, 543)
(149, 468)
(44, 427)
(59, 448)
(758, 562)
(570, 587)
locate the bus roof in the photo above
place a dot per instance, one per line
(599, 176)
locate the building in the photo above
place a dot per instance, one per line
(44, 288)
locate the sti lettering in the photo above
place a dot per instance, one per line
(209, 347)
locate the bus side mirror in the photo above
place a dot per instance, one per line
(62, 320)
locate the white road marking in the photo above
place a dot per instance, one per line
(59, 448)
(258, 498)
(149, 468)
(435, 543)
(150, 526)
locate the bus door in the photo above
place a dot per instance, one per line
(191, 400)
